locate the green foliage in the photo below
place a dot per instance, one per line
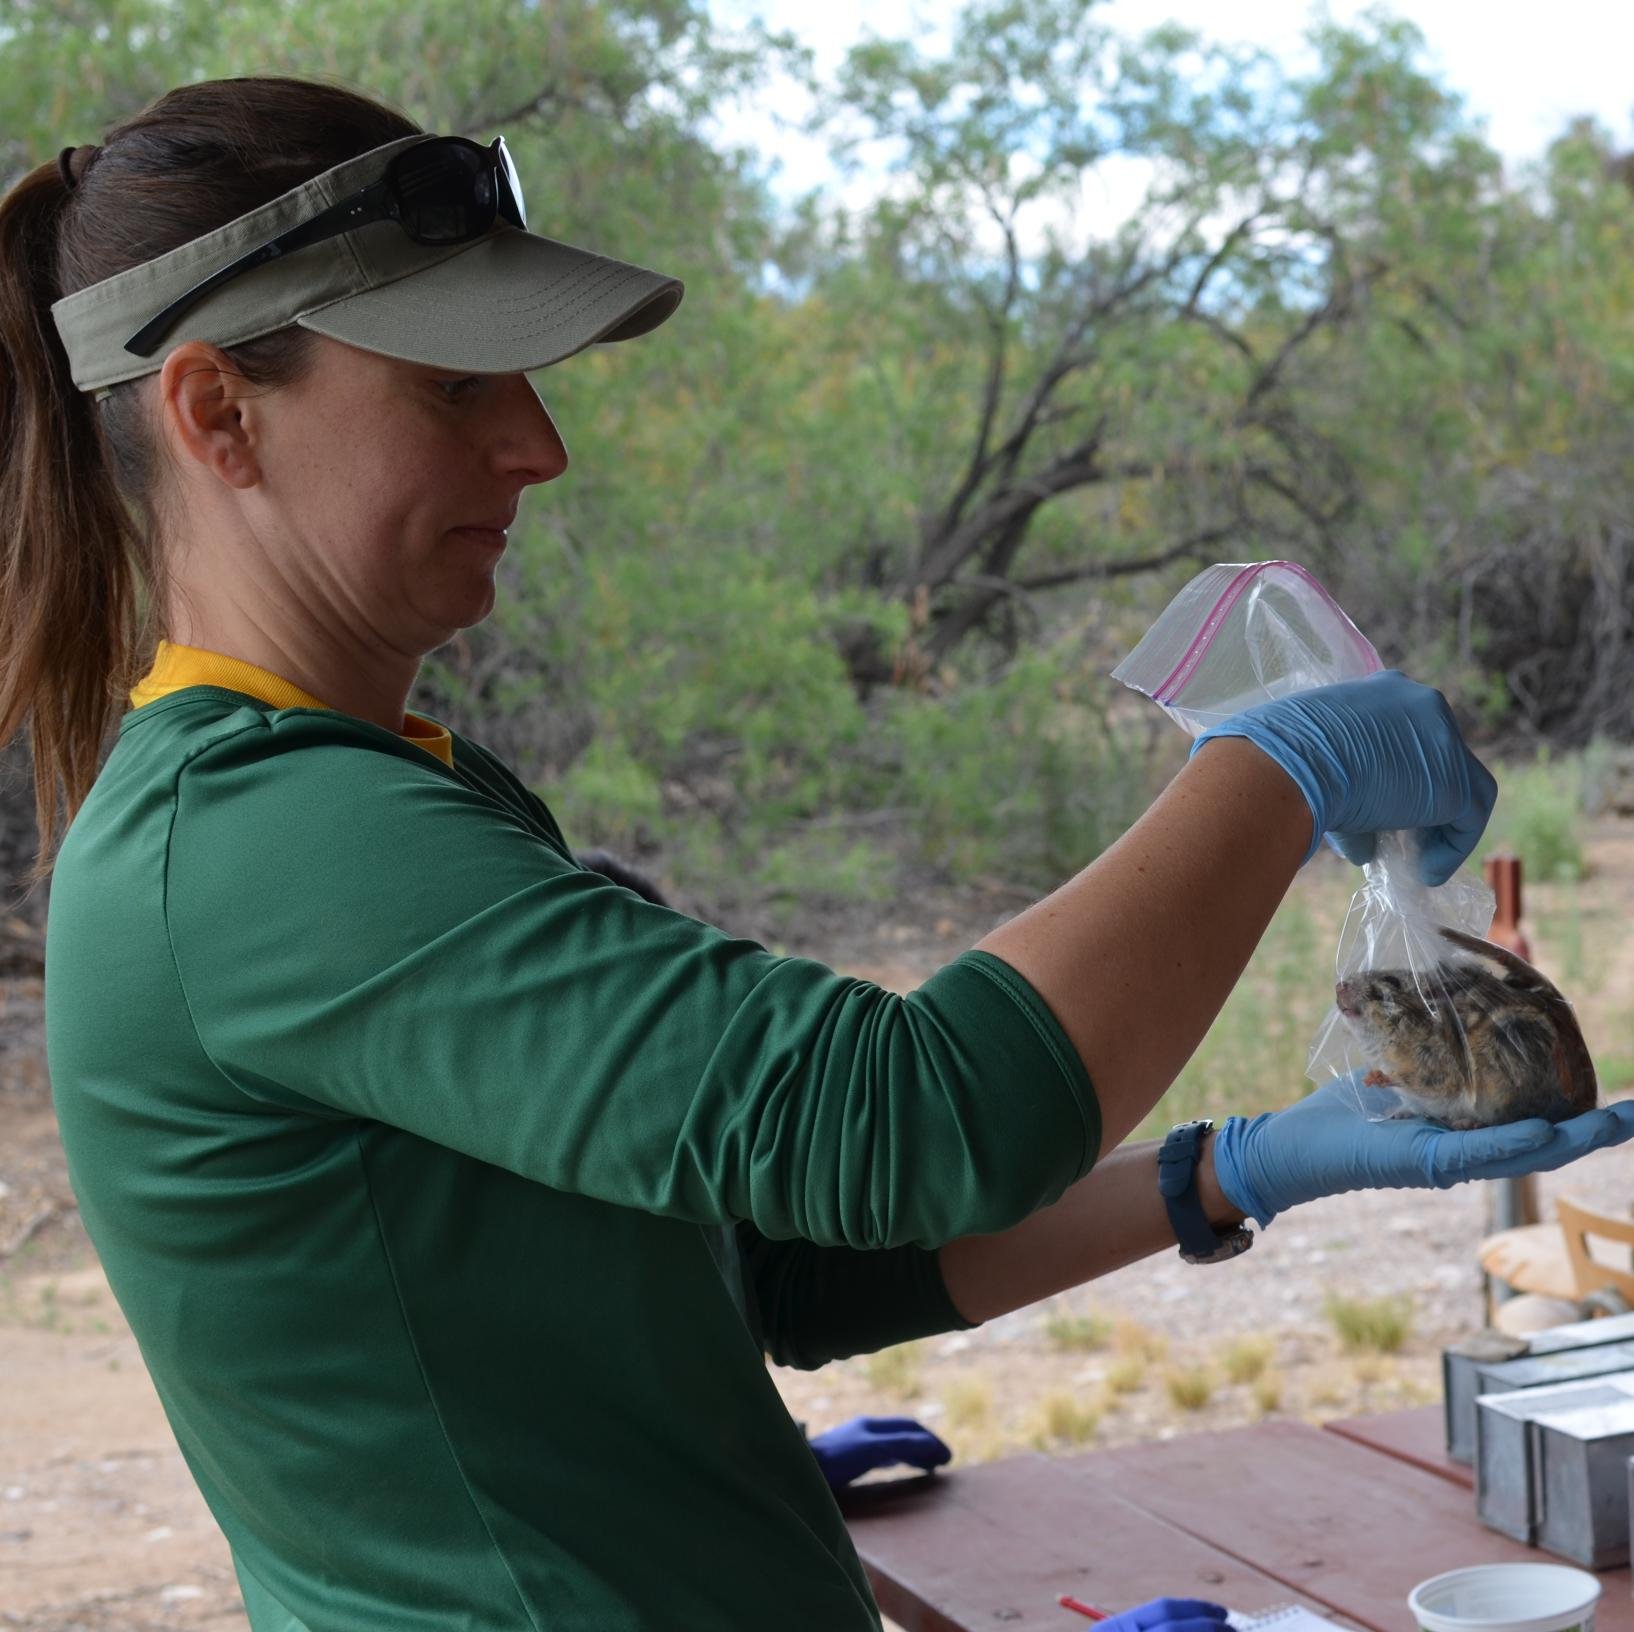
(1616, 1070)
(609, 795)
(821, 593)
(1019, 776)
(1539, 816)
(1598, 768)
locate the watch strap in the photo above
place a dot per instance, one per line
(1177, 1159)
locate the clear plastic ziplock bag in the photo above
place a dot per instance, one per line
(1240, 634)
(1428, 1016)
(1458, 1027)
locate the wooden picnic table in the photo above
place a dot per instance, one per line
(1343, 1520)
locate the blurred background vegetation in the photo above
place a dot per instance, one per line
(826, 605)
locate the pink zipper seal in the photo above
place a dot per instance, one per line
(1229, 596)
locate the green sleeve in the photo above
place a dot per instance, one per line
(814, 1304)
(358, 933)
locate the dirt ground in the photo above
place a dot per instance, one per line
(101, 1528)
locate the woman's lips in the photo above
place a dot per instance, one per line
(494, 536)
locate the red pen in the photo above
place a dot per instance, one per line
(1069, 1602)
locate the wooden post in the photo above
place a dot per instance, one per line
(1503, 875)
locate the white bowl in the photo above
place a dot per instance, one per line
(1507, 1598)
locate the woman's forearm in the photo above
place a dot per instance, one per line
(1112, 1216)
(1136, 954)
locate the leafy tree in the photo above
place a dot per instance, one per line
(846, 549)
(1118, 401)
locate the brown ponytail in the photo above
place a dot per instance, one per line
(82, 573)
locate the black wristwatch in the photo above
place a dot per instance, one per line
(1177, 1179)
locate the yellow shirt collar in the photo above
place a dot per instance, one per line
(175, 666)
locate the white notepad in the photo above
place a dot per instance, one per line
(1289, 1619)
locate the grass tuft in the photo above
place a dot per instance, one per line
(1245, 1358)
(1370, 1325)
(1063, 1419)
(1125, 1375)
(1129, 1337)
(895, 1370)
(1190, 1387)
(969, 1402)
(1077, 1333)
(1268, 1392)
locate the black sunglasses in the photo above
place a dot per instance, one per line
(448, 190)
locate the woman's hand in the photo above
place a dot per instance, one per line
(1371, 756)
(1325, 1144)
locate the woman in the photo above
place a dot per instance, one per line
(451, 1190)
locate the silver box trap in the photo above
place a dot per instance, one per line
(1551, 1467)
(1465, 1366)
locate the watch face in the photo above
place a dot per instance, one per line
(1231, 1246)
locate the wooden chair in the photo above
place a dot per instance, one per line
(1612, 1269)
(1557, 1260)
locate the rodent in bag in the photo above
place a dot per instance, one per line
(1459, 1029)
(1469, 1045)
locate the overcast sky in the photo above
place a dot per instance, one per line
(1526, 78)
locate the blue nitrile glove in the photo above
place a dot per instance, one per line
(875, 1442)
(1325, 1144)
(1371, 756)
(1169, 1615)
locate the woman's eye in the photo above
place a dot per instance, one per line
(455, 389)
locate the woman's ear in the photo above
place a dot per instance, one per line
(208, 417)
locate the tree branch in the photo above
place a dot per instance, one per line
(1132, 565)
(1216, 261)
(1068, 359)
(1338, 302)
(552, 93)
(1074, 469)
(997, 322)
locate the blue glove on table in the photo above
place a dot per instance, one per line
(875, 1442)
(1325, 1144)
(1372, 756)
(1169, 1615)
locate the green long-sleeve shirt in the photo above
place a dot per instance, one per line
(451, 1190)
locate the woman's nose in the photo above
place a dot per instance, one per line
(531, 445)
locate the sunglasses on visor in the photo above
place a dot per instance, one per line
(448, 190)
